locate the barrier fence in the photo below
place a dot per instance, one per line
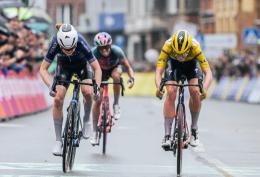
(241, 89)
(21, 94)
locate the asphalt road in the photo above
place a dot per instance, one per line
(229, 135)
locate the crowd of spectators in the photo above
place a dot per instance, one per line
(245, 64)
(21, 49)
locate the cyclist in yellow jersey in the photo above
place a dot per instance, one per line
(182, 55)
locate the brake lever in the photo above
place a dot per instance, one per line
(95, 86)
(53, 86)
(163, 81)
(201, 85)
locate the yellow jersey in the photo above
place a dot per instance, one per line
(194, 53)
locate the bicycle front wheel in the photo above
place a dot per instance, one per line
(180, 119)
(104, 129)
(75, 133)
(67, 142)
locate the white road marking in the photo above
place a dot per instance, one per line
(106, 168)
(130, 169)
(8, 125)
(224, 169)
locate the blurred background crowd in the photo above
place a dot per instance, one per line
(20, 47)
(246, 64)
(231, 42)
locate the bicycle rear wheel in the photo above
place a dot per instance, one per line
(180, 119)
(67, 143)
(104, 129)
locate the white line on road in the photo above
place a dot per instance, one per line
(8, 125)
(225, 170)
(126, 169)
(106, 168)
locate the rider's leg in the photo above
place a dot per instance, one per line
(57, 110)
(193, 72)
(169, 104)
(169, 108)
(95, 115)
(194, 103)
(87, 94)
(116, 74)
(58, 117)
(169, 114)
(195, 106)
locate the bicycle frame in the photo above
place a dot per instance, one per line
(184, 122)
(105, 102)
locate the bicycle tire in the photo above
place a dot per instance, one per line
(180, 119)
(67, 142)
(73, 153)
(104, 125)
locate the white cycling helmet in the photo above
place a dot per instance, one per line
(67, 36)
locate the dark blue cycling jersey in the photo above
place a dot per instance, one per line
(81, 55)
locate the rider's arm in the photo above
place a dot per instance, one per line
(97, 71)
(161, 63)
(52, 51)
(91, 59)
(204, 66)
(44, 72)
(130, 70)
(158, 76)
(208, 77)
(123, 60)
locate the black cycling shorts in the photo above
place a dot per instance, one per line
(106, 74)
(65, 72)
(175, 69)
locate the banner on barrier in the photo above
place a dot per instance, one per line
(21, 94)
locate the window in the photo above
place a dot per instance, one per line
(258, 10)
(64, 13)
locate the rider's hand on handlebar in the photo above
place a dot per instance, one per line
(203, 95)
(97, 94)
(52, 93)
(131, 82)
(159, 94)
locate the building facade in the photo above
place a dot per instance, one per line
(207, 16)
(66, 11)
(234, 16)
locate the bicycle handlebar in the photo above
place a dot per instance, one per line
(121, 83)
(200, 85)
(76, 82)
(56, 80)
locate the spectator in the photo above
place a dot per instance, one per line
(20, 47)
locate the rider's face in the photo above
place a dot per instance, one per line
(182, 57)
(105, 50)
(68, 51)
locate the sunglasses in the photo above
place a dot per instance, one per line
(107, 47)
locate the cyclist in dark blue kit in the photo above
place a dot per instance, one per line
(74, 56)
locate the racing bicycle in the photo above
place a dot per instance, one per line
(181, 135)
(105, 120)
(72, 132)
